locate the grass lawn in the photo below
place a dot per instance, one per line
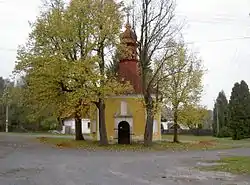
(196, 143)
(188, 138)
(210, 139)
(34, 134)
(236, 165)
(40, 134)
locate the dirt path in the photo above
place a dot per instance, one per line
(24, 162)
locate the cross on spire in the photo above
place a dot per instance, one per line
(128, 9)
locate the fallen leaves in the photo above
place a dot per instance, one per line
(135, 147)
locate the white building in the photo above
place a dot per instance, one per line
(69, 126)
(168, 125)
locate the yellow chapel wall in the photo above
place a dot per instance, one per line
(134, 106)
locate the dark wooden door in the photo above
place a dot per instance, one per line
(123, 133)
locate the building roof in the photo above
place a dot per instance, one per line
(129, 36)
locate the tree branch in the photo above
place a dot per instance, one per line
(64, 88)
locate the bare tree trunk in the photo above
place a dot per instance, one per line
(59, 124)
(148, 134)
(78, 128)
(38, 126)
(175, 139)
(102, 124)
(156, 34)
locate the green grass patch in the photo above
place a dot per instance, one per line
(235, 165)
(94, 145)
(183, 138)
(219, 142)
(138, 146)
(34, 134)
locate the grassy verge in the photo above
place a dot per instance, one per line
(169, 137)
(236, 165)
(157, 146)
(34, 134)
(217, 142)
(40, 134)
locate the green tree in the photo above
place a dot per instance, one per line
(107, 26)
(23, 115)
(246, 107)
(113, 66)
(220, 123)
(185, 86)
(239, 111)
(64, 59)
(6, 101)
(157, 28)
(193, 115)
(2, 107)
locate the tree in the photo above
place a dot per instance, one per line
(157, 30)
(239, 110)
(166, 112)
(107, 26)
(220, 122)
(2, 85)
(113, 66)
(5, 100)
(246, 107)
(23, 115)
(184, 87)
(193, 116)
(64, 60)
(2, 107)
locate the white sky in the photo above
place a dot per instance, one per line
(208, 24)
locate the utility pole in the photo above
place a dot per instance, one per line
(7, 119)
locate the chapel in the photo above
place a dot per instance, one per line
(125, 115)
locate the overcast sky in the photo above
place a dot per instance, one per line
(218, 29)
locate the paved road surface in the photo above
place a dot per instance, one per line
(23, 162)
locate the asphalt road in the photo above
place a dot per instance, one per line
(24, 162)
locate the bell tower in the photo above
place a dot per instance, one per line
(125, 114)
(129, 64)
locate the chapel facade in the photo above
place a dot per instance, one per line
(125, 115)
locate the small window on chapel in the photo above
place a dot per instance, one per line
(88, 125)
(123, 108)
